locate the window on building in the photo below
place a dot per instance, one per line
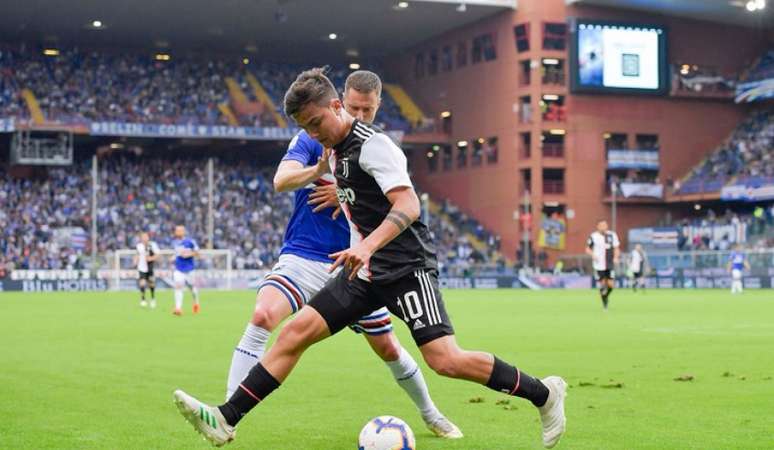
(447, 59)
(462, 154)
(525, 72)
(525, 109)
(616, 141)
(553, 71)
(491, 150)
(432, 161)
(647, 141)
(552, 144)
(552, 108)
(447, 157)
(521, 34)
(553, 181)
(554, 36)
(432, 62)
(462, 54)
(419, 65)
(484, 48)
(526, 145)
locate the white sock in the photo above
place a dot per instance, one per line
(178, 299)
(247, 353)
(409, 376)
(195, 292)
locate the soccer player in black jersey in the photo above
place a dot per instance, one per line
(391, 262)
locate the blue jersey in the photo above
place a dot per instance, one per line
(737, 261)
(312, 235)
(182, 264)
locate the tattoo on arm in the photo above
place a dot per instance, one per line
(400, 220)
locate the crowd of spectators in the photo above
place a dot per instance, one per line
(763, 70)
(747, 155)
(724, 231)
(155, 193)
(80, 86)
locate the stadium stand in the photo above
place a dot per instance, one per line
(79, 86)
(154, 193)
(745, 155)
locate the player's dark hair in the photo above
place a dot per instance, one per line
(364, 81)
(311, 86)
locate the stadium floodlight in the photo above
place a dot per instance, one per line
(403, 5)
(557, 132)
(354, 66)
(446, 114)
(333, 36)
(245, 61)
(550, 97)
(550, 61)
(51, 52)
(462, 144)
(96, 24)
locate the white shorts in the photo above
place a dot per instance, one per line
(182, 278)
(736, 274)
(299, 279)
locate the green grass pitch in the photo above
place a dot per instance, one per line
(94, 371)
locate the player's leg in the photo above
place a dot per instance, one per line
(152, 287)
(271, 308)
(179, 281)
(601, 278)
(339, 303)
(141, 284)
(377, 329)
(419, 301)
(189, 281)
(610, 286)
(284, 291)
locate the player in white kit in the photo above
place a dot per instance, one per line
(637, 263)
(603, 247)
(147, 254)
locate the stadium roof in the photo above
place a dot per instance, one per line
(723, 11)
(287, 29)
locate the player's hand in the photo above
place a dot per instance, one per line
(325, 197)
(323, 166)
(353, 259)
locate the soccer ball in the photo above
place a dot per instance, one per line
(386, 433)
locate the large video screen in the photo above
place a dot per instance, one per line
(618, 58)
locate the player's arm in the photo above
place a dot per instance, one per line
(590, 247)
(292, 174)
(616, 249)
(405, 211)
(386, 163)
(155, 255)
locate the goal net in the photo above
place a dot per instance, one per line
(213, 269)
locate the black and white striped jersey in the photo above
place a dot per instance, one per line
(367, 164)
(603, 247)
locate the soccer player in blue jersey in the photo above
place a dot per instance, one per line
(185, 252)
(736, 265)
(316, 230)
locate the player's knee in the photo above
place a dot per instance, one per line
(386, 346)
(264, 318)
(446, 364)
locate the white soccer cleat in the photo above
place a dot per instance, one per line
(206, 420)
(552, 413)
(443, 428)
(143, 304)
